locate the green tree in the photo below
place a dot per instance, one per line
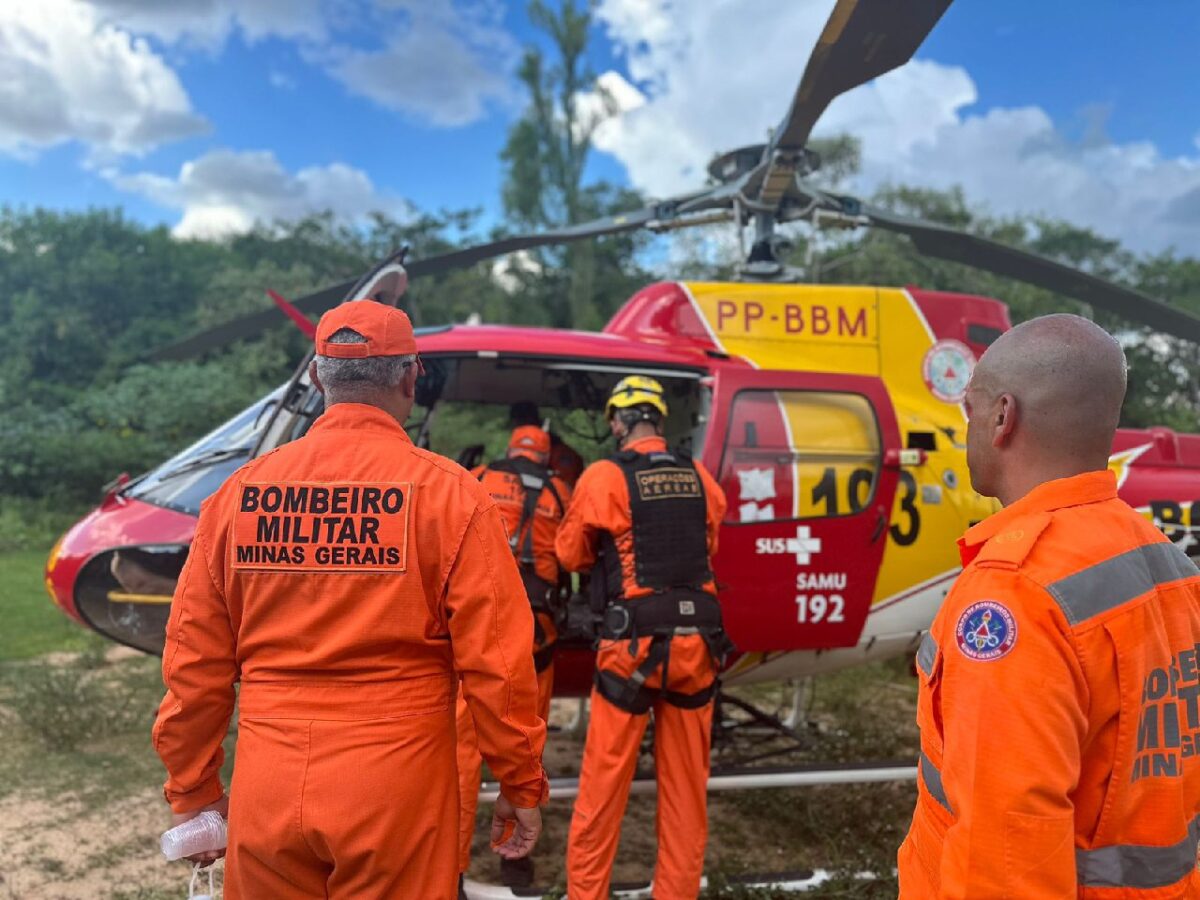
(545, 160)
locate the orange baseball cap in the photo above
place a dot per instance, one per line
(530, 440)
(387, 330)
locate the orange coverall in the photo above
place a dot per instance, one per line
(506, 490)
(682, 736)
(1058, 709)
(348, 580)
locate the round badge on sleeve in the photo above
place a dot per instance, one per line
(986, 631)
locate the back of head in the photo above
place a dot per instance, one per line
(364, 350)
(637, 401)
(1043, 403)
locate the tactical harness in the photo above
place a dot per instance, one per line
(670, 552)
(534, 479)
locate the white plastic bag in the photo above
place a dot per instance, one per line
(212, 892)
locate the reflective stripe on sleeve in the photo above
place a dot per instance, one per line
(1138, 866)
(927, 653)
(933, 782)
(1120, 579)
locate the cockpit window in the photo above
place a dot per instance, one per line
(183, 481)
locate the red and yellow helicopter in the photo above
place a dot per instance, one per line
(831, 415)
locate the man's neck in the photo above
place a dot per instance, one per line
(1016, 488)
(398, 411)
(640, 431)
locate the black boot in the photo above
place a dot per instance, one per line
(516, 872)
(462, 893)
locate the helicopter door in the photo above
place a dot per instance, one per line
(800, 457)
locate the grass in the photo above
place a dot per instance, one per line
(32, 624)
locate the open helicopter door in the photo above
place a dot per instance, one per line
(804, 461)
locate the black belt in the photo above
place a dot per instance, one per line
(660, 617)
(675, 612)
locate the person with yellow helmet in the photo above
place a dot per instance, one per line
(644, 522)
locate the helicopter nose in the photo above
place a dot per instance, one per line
(58, 585)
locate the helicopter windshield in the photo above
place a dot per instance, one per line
(183, 481)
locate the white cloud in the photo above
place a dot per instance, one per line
(209, 22)
(718, 75)
(65, 75)
(227, 192)
(443, 62)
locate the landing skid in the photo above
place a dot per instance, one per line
(784, 882)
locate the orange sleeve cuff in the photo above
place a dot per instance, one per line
(209, 792)
(528, 794)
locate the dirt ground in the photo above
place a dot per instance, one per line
(80, 812)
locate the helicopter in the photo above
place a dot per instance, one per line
(831, 415)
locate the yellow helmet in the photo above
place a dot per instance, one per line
(634, 390)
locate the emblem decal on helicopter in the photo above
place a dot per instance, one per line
(803, 545)
(947, 368)
(756, 484)
(752, 512)
(986, 631)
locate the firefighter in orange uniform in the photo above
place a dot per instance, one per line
(645, 523)
(564, 461)
(532, 504)
(349, 581)
(1059, 683)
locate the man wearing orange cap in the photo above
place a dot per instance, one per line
(564, 461)
(645, 523)
(532, 503)
(350, 581)
(1059, 700)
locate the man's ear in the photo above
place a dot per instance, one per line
(1005, 423)
(312, 374)
(409, 383)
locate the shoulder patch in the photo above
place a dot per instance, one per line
(986, 631)
(1009, 548)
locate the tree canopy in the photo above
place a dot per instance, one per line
(85, 295)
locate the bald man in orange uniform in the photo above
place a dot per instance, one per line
(349, 581)
(645, 522)
(532, 503)
(1059, 683)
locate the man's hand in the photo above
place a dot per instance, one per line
(514, 829)
(211, 856)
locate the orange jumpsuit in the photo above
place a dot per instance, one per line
(1058, 708)
(348, 580)
(682, 736)
(506, 490)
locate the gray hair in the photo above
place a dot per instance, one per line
(361, 374)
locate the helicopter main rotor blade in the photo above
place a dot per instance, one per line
(250, 325)
(863, 39)
(979, 252)
(254, 324)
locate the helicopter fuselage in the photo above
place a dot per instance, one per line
(831, 416)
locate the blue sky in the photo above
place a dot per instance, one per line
(208, 114)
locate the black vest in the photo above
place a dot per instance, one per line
(669, 514)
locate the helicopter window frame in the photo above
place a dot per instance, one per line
(840, 496)
(448, 391)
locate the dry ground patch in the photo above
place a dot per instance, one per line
(80, 809)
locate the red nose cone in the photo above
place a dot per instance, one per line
(118, 522)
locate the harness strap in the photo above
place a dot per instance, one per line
(631, 694)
